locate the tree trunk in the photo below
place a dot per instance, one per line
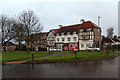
(19, 45)
(28, 47)
(28, 42)
(4, 46)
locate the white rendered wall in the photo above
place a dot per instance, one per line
(65, 38)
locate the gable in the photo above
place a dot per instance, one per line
(51, 34)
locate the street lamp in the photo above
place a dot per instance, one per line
(98, 20)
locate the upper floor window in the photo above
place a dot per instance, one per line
(74, 38)
(81, 30)
(99, 30)
(63, 39)
(68, 38)
(51, 43)
(58, 39)
(89, 29)
(85, 37)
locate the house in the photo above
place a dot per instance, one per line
(75, 37)
(51, 39)
(117, 40)
(38, 41)
(116, 44)
(106, 43)
(10, 46)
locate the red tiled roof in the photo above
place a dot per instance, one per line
(55, 30)
(76, 27)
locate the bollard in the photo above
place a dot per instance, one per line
(49, 52)
(107, 51)
(75, 52)
(32, 57)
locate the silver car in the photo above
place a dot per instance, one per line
(93, 49)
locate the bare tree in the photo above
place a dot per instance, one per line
(19, 34)
(7, 29)
(110, 32)
(31, 25)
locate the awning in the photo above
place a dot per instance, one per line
(50, 45)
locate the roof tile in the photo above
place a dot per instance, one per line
(76, 27)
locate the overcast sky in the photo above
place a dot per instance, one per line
(66, 12)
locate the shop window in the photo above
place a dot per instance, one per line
(82, 45)
(88, 45)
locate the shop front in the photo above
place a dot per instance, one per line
(73, 46)
(50, 47)
(66, 46)
(59, 46)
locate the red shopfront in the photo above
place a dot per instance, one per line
(73, 46)
(66, 46)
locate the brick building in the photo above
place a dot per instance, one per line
(38, 41)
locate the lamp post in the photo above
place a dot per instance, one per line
(98, 20)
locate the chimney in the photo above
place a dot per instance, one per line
(103, 36)
(82, 21)
(115, 36)
(60, 26)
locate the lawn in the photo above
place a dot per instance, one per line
(20, 55)
(80, 55)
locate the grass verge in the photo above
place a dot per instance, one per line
(8, 56)
(80, 55)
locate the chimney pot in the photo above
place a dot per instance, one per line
(115, 36)
(82, 21)
(60, 26)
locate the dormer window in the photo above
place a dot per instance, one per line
(57, 34)
(81, 30)
(74, 32)
(89, 29)
(68, 33)
(62, 33)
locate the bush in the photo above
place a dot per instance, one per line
(42, 49)
(23, 48)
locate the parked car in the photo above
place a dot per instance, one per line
(55, 49)
(93, 49)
